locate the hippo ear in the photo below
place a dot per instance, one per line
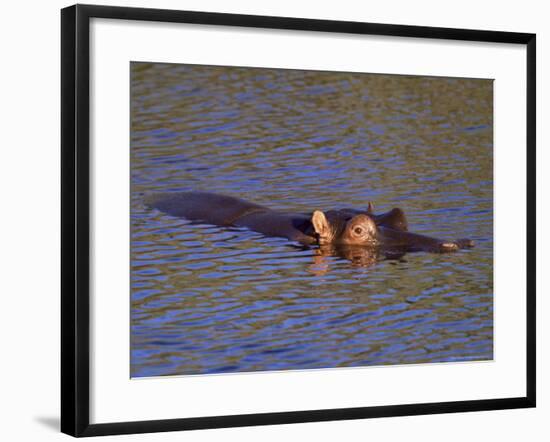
(320, 223)
(370, 208)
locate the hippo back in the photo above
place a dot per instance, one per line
(211, 208)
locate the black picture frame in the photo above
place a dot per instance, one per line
(75, 212)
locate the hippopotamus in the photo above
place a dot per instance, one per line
(345, 227)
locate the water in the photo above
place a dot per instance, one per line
(208, 299)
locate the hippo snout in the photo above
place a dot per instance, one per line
(451, 246)
(448, 247)
(465, 243)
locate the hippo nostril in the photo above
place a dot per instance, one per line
(465, 243)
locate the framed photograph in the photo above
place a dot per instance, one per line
(273, 220)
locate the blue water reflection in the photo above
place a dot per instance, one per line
(207, 299)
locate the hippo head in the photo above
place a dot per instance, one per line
(340, 227)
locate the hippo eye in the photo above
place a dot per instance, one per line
(358, 230)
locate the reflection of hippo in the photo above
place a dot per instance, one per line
(348, 227)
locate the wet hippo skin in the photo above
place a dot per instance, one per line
(344, 227)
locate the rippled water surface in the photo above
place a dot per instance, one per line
(209, 299)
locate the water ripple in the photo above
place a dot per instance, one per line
(208, 299)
